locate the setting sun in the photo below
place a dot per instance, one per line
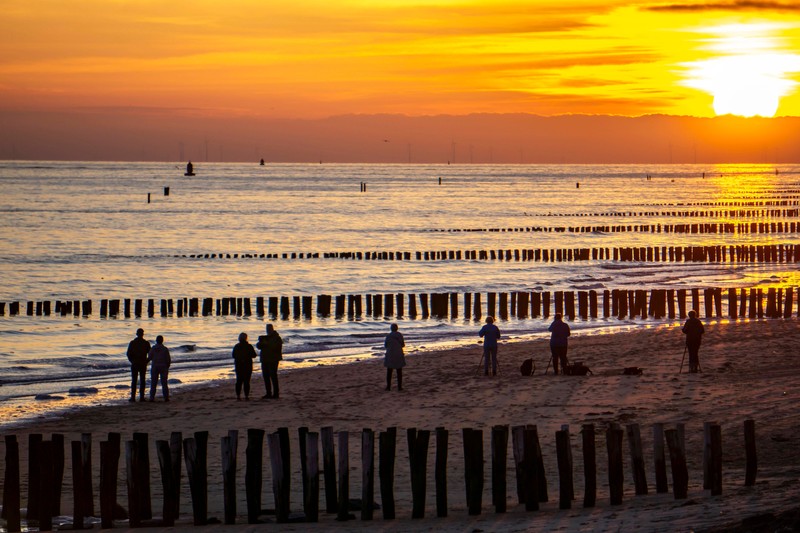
(749, 76)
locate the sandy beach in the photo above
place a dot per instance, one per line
(749, 372)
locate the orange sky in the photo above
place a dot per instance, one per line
(316, 58)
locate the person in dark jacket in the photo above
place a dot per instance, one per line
(243, 355)
(693, 329)
(395, 358)
(159, 356)
(271, 346)
(559, 331)
(138, 349)
(490, 334)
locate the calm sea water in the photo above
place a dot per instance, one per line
(84, 230)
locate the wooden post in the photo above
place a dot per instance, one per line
(659, 458)
(311, 473)
(531, 469)
(167, 482)
(329, 468)
(143, 483)
(287, 468)
(589, 466)
(677, 456)
(418, 455)
(301, 441)
(195, 452)
(344, 477)
(473, 469)
(751, 468)
(175, 449)
(279, 476)
(442, 436)
(228, 447)
(387, 441)
(518, 449)
(637, 459)
(58, 471)
(615, 469)
(499, 459)
(564, 469)
(34, 504)
(254, 455)
(11, 486)
(46, 486)
(109, 465)
(132, 474)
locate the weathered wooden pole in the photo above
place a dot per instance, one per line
(343, 513)
(499, 460)
(564, 469)
(677, 456)
(473, 469)
(58, 471)
(46, 486)
(167, 482)
(751, 467)
(418, 455)
(387, 442)
(109, 465)
(286, 457)
(175, 449)
(132, 480)
(311, 475)
(367, 473)
(329, 468)
(254, 455)
(589, 465)
(11, 486)
(531, 469)
(715, 462)
(143, 484)
(195, 451)
(34, 504)
(301, 441)
(279, 476)
(228, 447)
(442, 436)
(637, 459)
(518, 450)
(659, 458)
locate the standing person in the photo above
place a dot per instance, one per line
(395, 359)
(558, 343)
(243, 355)
(693, 329)
(271, 346)
(138, 349)
(490, 334)
(159, 355)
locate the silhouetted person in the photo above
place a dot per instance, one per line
(160, 359)
(271, 346)
(693, 329)
(189, 168)
(395, 359)
(262, 162)
(243, 355)
(559, 331)
(138, 349)
(490, 334)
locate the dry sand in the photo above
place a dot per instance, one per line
(750, 371)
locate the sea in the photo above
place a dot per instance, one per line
(109, 230)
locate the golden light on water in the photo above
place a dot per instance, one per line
(749, 70)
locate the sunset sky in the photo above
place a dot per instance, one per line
(310, 59)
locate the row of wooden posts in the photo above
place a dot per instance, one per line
(46, 460)
(726, 213)
(618, 303)
(744, 253)
(703, 228)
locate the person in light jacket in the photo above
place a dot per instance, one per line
(394, 359)
(243, 355)
(159, 368)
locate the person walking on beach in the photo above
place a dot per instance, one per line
(271, 346)
(490, 334)
(395, 359)
(243, 355)
(138, 349)
(559, 331)
(693, 329)
(159, 356)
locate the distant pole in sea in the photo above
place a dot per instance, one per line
(148, 198)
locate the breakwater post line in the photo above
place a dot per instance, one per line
(527, 453)
(644, 304)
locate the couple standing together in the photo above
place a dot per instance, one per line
(271, 346)
(140, 354)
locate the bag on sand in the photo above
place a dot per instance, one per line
(632, 371)
(577, 369)
(527, 368)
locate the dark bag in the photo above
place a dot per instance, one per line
(527, 368)
(632, 371)
(577, 369)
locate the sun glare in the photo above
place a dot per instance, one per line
(748, 75)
